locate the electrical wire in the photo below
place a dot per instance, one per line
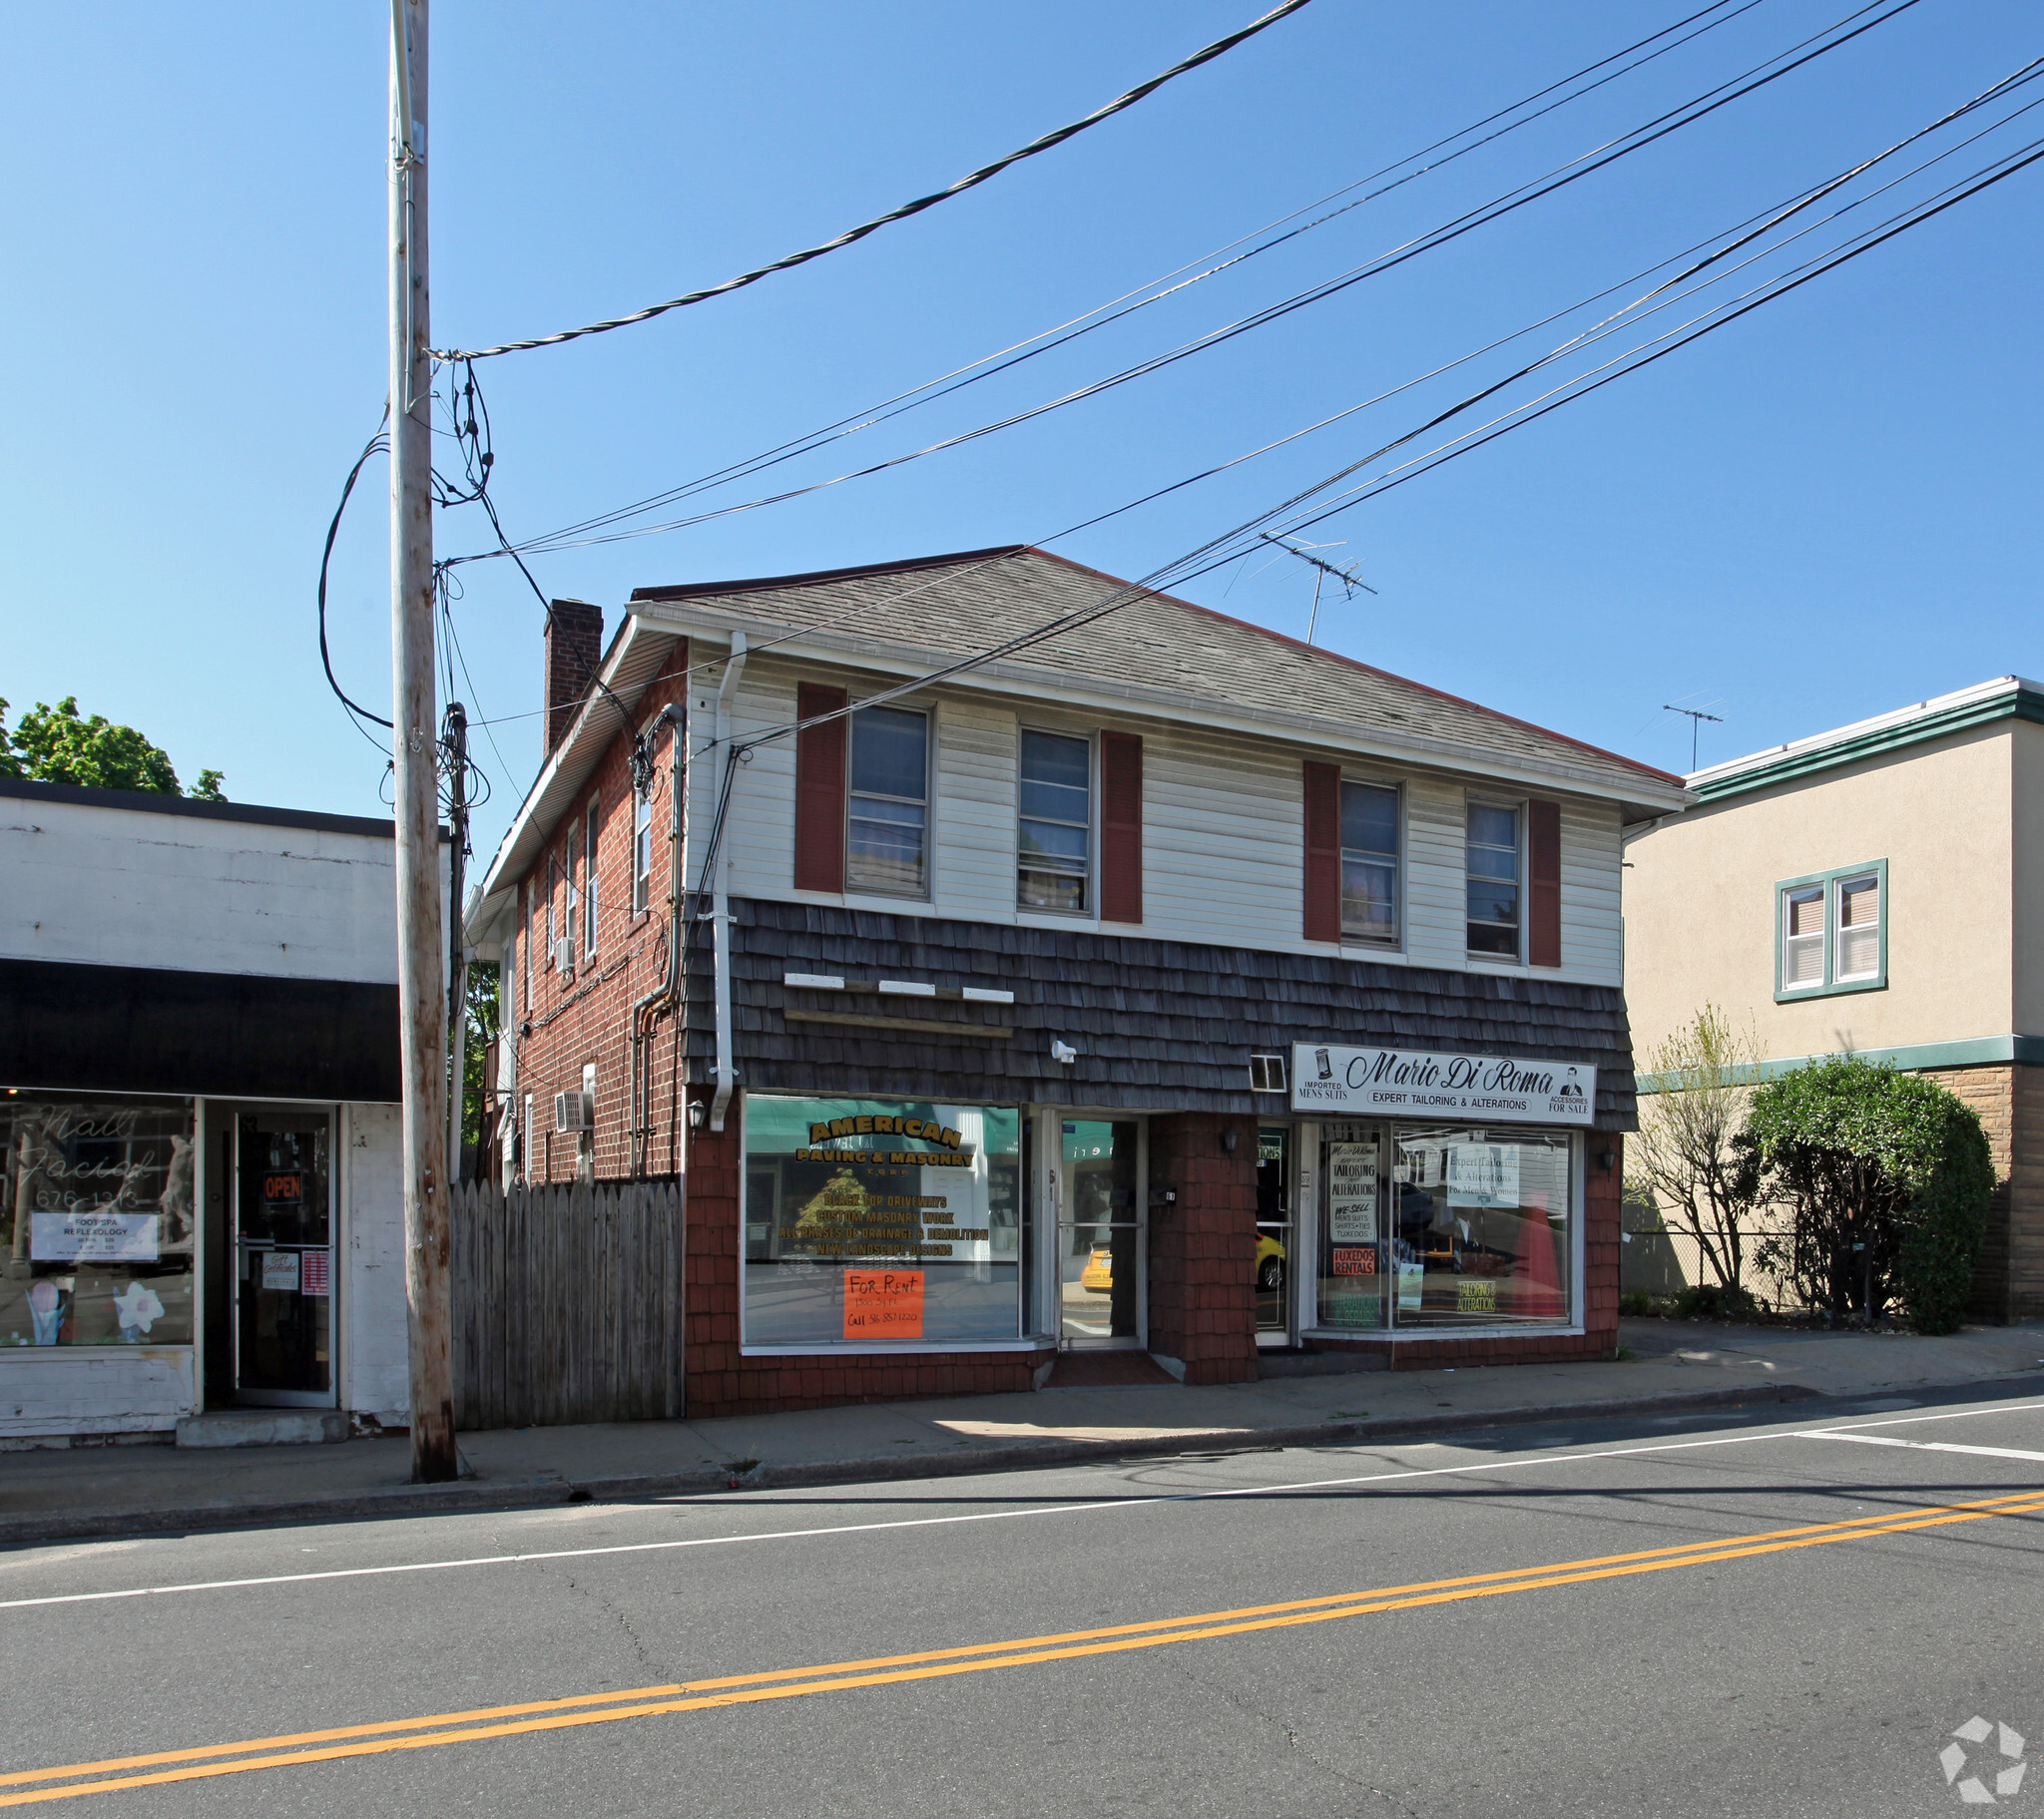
(376, 443)
(1583, 165)
(971, 181)
(1121, 308)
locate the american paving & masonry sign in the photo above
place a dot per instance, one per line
(1408, 1083)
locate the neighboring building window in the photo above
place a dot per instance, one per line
(886, 845)
(642, 852)
(1369, 863)
(528, 1162)
(1831, 932)
(529, 913)
(553, 932)
(1055, 857)
(1493, 878)
(589, 916)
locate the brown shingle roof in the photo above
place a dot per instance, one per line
(960, 604)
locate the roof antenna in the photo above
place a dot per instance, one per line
(1697, 717)
(1347, 577)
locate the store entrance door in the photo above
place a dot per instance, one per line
(1100, 1248)
(284, 1258)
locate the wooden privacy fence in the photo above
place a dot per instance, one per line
(567, 1303)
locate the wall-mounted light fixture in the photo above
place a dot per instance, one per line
(1229, 1138)
(1062, 1051)
(1606, 1159)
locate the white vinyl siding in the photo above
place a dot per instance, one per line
(1223, 825)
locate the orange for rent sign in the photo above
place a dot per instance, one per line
(883, 1303)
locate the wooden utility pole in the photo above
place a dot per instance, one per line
(415, 745)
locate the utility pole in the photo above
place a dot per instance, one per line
(415, 750)
(457, 941)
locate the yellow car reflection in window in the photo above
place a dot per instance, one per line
(1097, 1275)
(1270, 1262)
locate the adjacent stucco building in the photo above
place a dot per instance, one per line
(1877, 889)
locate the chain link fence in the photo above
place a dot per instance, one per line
(1657, 1259)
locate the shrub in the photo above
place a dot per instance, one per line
(1715, 1301)
(1868, 1156)
(1639, 1303)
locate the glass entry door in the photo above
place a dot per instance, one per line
(283, 1259)
(1275, 1238)
(1099, 1235)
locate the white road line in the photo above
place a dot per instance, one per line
(1918, 1445)
(936, 1522)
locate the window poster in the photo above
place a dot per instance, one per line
(845, 1196)
(1483, 1174)
(1352, 1192)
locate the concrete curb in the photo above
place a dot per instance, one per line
(478, 1493)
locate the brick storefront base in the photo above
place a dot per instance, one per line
(2008, 1282)
(1203, 1245)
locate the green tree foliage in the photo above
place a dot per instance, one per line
(482, 1031)
(59, 745)
(1863, 1154)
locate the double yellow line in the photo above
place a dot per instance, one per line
(979, 1657)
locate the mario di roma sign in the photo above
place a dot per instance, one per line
(1404, 1083)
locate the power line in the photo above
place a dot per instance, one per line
(1043, 144)
(1583, 165)
(1007, 358)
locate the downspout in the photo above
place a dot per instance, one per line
(663, 995)
(719, 908)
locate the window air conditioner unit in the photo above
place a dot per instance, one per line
(574, 1111)
(1266, 1074)
(564, 955)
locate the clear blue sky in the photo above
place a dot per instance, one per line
(1821, 512)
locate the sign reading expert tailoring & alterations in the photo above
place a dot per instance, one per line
(1407, 1083)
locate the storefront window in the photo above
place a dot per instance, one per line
(881, 1220)
(1479, 1227)
(1352, 1270)
(96, 1220)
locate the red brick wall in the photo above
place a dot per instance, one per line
(1202, 1297)
(721, 1382)
(1603, 1191)
(586, 1017)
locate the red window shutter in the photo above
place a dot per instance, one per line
(1121, 827)
(1543, 879)
(818, 791)
(1324, 852)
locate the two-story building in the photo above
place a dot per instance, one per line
(1162, 984)
(1876, 889)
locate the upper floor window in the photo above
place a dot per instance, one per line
(590, 919)
(1493, 880)
(1831, 932)
(571, 914)
(1369, 863)
(642, 851)
(1053, 862)
(886, 846)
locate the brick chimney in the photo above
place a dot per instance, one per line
(574, 649)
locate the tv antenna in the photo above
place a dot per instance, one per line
(1697, 717)
(1347, 577)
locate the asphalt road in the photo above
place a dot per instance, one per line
(1755, 1619)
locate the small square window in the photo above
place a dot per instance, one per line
(1266, 1074)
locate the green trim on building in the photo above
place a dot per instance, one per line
(2014, 703)
(1916, 1057)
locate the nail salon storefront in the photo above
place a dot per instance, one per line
(1428, 1204)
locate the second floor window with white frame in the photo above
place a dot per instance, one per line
(886, 845)
(1369, 863)
(589, 909)
(570, 915)
(642, 851)
(1803, 936)
(1858, 951)
(1833, 928)
(1054, 860)
(1493, 878)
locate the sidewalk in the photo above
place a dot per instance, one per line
(1675, 1367)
